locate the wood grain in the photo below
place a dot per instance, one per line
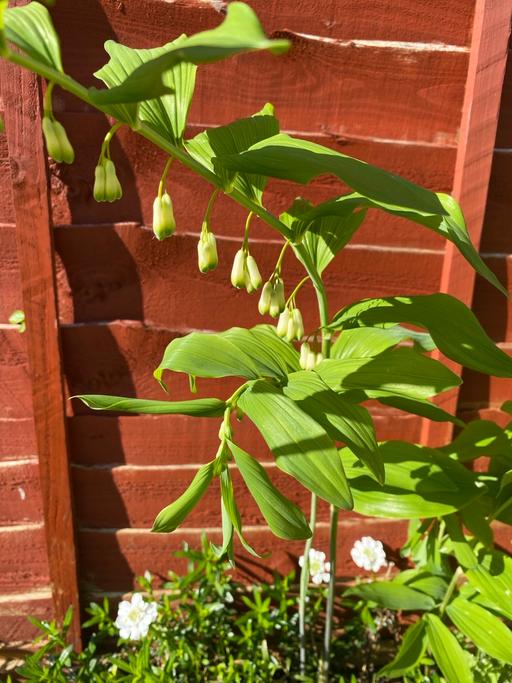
(23, 559)
(127, 553)
(15, 610)
(109, 272)
(35, 249)
(491, 31)
(21, 492)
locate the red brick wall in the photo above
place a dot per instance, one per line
(383, 81)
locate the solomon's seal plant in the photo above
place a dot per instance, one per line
(304, 389)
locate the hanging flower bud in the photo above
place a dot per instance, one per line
(266, 295)
(113, 187)
(164, 224)
(311, 360)
(239, 271)
(299, 325)
(57, 141)
(319, 358)
(277, 301)
(304, 352)
(207, 258)
(253, 273)
(283, 322)
(99, 183)
(291, 330)
(107, 187)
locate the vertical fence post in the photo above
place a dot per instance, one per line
(484, 83)
(30, 188)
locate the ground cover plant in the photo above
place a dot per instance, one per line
(306, 389)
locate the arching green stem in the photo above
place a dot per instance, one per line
(163, 179)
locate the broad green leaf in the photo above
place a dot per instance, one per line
(392, 595)
(367, 342)
(449, 222)
(342, 420)
(174, 514)
(325, 237)
(410, 652)
(201, 407)
(449, 656)
(479, 437)
(420, 482)
(461, 548)
(30, 28)
(474, 518)
(493, 578)
(416, 406)
(236, 352)
(300, 445)
(284, 518)
(423, 581)
(239, 32)
(400, 371)
(231, 508)
(167, 114)
(283, 156)
(234, 138)
(486, 631)
(453, 327)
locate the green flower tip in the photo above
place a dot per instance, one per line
(164, 223)
(57, 142)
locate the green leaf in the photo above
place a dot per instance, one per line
(174, 514)
(486, 631)
(368, 342)
(392, 595)
(417, 406)
(479, 437)
(493, 578)
(30, 28)
(435, 586)
(453, 327)
(239, 32)
(283, 156)
(461, 548)
(420, 482)
(3, 45)
(236, 352)
(300, 445)
(449, 656)
(400, 371)
(326, 237)
(342, 420)
(231, 508)
(448, 222)
(202, 407)
(234, 138)
(474, 518)
(410, 652)
(284, 518)
(167, 114)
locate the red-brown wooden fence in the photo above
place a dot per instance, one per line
(410, 85)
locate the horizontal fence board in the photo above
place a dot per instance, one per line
(21, 493)
(15, 397)
(417, 96)
(139, 165)
(128, 553)
(15, 610)
(150, 22)
(17, 438)
(99, 439)
(23, 559)
(106, 273)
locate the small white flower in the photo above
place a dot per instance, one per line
(319, 569)
(135, 617)
(369, 554)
